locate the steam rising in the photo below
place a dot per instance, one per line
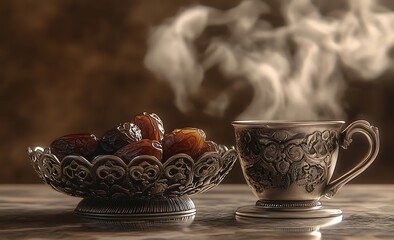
(295, 70)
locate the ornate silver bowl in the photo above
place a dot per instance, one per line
(144, 188)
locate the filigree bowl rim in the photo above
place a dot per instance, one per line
(46, 150)
(225, 154)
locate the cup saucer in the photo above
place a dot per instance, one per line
(287, 210)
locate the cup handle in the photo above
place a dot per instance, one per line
(372, 135)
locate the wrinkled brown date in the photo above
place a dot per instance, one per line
(190, 141)
(151, 126)
(210, 146)
(85, 145)
(143, 147)
(119, 136)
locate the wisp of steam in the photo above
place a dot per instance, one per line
(295, 69)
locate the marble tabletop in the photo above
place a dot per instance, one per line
(38, 212)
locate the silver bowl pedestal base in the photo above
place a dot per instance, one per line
(137, 209)
(287, 209)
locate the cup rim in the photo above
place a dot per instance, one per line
(281, 123)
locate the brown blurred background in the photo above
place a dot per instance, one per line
(77, 66)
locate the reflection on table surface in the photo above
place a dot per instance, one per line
(37, 211)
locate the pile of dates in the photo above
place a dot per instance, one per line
(142, 136)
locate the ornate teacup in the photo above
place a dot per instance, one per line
(289, 165)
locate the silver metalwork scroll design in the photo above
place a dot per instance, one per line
(108, 177)
(277, 159)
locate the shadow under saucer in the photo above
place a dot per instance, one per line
(289, 228)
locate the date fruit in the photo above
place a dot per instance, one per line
(190, 141)
(143, 147)
(85, 145)
(151, 126)
(210, 146)
(119, 136)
